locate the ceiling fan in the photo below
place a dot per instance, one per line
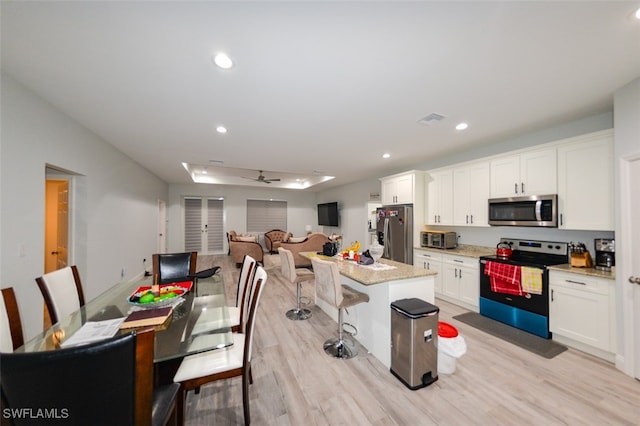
(262, 179)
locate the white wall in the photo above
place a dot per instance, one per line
(352, 207)
(627, 145)
(115, 203)
(301, 208)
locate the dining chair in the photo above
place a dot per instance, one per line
(329, 288)
(11, 336)
(62, 292)
(172, 267)
(101, 383)
(296, 276)
(245, 277)
(232, 361)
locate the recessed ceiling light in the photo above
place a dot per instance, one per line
(386, 155)
(221, 129)
(223, 61)
(462, 126)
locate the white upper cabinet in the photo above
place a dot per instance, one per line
(528, 173)
(440, 197)
(398, 189)
(470, 194)
(585, 182)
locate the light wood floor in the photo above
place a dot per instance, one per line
(495, 383)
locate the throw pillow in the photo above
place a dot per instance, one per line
(297, 239)
(249, 238)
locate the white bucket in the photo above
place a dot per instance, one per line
(449, 350)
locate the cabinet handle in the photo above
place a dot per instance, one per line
(575, 282)
(428, 265)
(552, 295)
(467, 219)
(438, 218)
(522, 187)
(459, 261)
(472, 219)
(515, 187)
(460, 274)
(634, 280)
(561, 219)
(455, 272)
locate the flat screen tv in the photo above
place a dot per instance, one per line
(328, 214)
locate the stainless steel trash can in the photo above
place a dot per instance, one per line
(414, 342)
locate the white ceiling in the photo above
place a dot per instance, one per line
(319, 88)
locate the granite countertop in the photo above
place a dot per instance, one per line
(463, 250)
(566, 267)
(367, 275)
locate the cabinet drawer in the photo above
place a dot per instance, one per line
(579, 282)
(462, 261)
(428, 255)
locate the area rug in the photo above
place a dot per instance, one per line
(539, 346)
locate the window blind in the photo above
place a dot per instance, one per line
(193, 224)
(215, 218)
(265, 215)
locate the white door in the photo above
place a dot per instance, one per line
(56, 227)
(162, 227)
(203, 225)
(633, 278)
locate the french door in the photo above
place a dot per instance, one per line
(203, 224)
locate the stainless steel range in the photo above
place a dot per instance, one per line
(515, 291)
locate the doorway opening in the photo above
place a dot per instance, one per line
(58, 211)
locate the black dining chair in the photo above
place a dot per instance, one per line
(172, 267)
(104, 383)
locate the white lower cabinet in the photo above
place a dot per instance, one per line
(461, 281)
(582, 312)
(432, 262)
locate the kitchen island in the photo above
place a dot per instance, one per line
(386, 281)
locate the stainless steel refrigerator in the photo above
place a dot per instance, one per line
(394, 225)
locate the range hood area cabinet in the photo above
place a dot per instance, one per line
(585, 183)
(527, 173)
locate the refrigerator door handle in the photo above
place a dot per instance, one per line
(386, 252)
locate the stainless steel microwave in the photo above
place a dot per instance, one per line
(534, 210)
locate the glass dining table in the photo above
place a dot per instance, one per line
(199, 323)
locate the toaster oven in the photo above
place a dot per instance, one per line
(439, 239)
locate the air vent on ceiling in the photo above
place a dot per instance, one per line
(217, 162)
(431, 118)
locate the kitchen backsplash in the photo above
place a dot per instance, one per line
(490, 236)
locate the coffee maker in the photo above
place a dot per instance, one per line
(605, 253)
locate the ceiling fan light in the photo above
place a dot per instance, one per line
(221, 129)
